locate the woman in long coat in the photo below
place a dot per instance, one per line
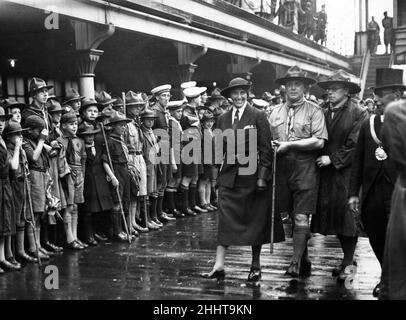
(244, 197)
(394, 266)
(344, 119)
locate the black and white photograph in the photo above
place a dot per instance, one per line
(203, 155)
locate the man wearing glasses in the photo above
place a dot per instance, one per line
(299, 132)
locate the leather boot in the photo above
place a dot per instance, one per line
(88, 226)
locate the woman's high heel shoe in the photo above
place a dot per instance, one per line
(215, 274)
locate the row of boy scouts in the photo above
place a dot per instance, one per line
(98, 158)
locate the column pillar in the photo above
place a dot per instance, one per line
(87, 38)
(187, 56)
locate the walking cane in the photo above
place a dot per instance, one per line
(273, 199)
(117, 191)
(32, 222)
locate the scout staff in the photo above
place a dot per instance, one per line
(344, 118)
(299, 130)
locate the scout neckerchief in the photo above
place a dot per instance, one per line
(380, 153)
(291, 114)
(123, 145)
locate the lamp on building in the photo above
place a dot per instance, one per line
(12, 62)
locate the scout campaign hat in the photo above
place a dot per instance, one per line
(267, 96)
(148, 114)
(89, 102)
(35, 121)
(54, 106)
(215, 95)
(4, 116)
(175, 105)
(13, 127)
(72, 95)
(389, 78)
(259, 103)
(194, 92)
(295, 73)
(340, 77)
(104, 98)
(85, 128)
(105, 113)
(161, 89)
(236, 83)
(69, 117)
(37, 84)
(117, 117)
(12, 103)
(134, 99)
(118, 103)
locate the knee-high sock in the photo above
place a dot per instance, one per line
(185, 197)
(153, 207)
(2, 256)
(30, 238)
(170, 195)
(75, 222)
(202, 193)
(208, 193)
(301, 234)
(192, 195)
(20, 240)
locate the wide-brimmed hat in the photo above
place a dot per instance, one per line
(135, 99)
(215, 95)
(4, 116)
(340, 77)
(295, 73)
(389, 78)
(54, 106)
(148, 113)
(13, 127)
(105, 113)
(117, 117)
(12, 103)
(236, 83)
(34, 121)
(118, 103)
(89, 102)
(69, 117)
(104, 98)
(85, 128)
(72, 95)
(37, 84)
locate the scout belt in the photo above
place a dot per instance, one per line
(380, 153)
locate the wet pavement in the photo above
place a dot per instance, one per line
(167, 264)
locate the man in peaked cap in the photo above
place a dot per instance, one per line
(73, 99)
(374, 171)
(162, 96)
(344, 118)
(299, 132)
(39, 93)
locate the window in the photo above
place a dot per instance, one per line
(15, 88)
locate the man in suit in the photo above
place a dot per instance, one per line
(373, 169)
(299, 130)
(244, 199)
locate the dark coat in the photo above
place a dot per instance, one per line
(97, 191)
(245, 213)
(333, 216)
(366, 167)
(7, 214)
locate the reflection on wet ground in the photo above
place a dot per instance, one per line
(167, 264)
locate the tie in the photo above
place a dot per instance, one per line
(291, 114)
(236, 119)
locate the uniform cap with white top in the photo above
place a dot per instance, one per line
(194, 92)
(161, 89)
(188, 84)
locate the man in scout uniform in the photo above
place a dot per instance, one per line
(39, 93)
(133, 139)
(162, 96)
(299, 131)
(73, 100)
(175, 108)
(105, 100)
(373, 171)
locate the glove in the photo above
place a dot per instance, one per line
(261, 185)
